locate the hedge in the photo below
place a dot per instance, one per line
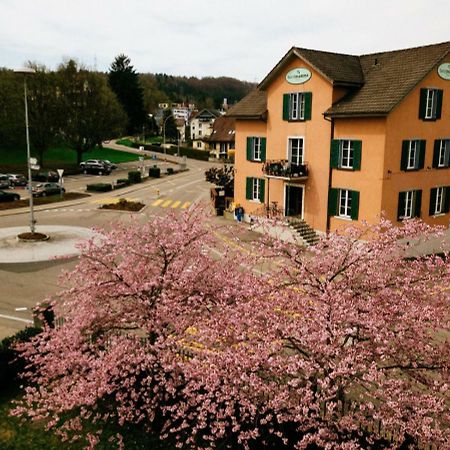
(193, 153)
(134, 177)
(99, 187)
(154, 172)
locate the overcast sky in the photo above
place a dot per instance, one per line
(238, 38)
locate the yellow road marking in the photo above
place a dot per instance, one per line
(166, 203)
(185, 205)
(157, 202)
(176, 204)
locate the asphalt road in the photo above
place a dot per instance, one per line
(24, 285)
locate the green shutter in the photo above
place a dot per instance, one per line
(262, 190)
(333, 201)
(334, 159)
(308, 105)
(401, 205)
(249, 149)
(437, 147)
(263, 149)
(433, 195)
(423, 103)
(439, 94)
(447, 200)
(447, 153)
(286, 101)
(248, 188)
(355, 205)
(405, 152)
(417, 203)
(357, 146)
(421, 160)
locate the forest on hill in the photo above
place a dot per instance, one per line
(206, 92)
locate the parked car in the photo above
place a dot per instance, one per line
(44, 189)
(17, 179)
(4, 181)
(95, 166)
(9, 196)
(50, 175)
(110, 164)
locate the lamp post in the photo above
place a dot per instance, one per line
(164, 132)
(28, 71)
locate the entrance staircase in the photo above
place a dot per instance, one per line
(304, 230)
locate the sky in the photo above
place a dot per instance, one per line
(243, 39)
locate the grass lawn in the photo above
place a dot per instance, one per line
(14, 160)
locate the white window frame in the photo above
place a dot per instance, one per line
(431, 103)
(439, 203)
(346, 153)
(297, 106)
(256, 149)
(300, 157)
(345, 204)
(413, 154)
(409, 205)
(256, 189)
(444, 148)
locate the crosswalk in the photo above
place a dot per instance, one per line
(170, 203)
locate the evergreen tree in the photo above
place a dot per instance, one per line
(124, 82)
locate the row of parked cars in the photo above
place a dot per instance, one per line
(97, 166)
(11, 180)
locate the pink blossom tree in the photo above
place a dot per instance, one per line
(350, 350)
(345, 345)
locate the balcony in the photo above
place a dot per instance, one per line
(284, 170)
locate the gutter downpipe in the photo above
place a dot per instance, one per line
(330, 171)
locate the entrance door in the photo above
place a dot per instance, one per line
(293, 200)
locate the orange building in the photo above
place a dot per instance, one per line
(332, 138)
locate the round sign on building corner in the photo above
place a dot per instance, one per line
(444, 71)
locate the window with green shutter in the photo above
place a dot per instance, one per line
(439, 200)
(409, 204)
(262, 185)
(248, 188)
(297, 106)
(441, 153)
(354, 211)
(430, 104)
(263, 150)
(256, 149)
(346, 154)
(413, 155)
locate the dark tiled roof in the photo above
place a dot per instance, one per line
(378, 81)
(388, 78)
(223, 130)
(253, 106)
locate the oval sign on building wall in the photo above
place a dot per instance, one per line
(298, 76)
(444, 71)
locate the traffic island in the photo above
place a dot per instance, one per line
(124, 205)
(33, 237)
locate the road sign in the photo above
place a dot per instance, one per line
(60, 172)
(33, 161)
(35, 166)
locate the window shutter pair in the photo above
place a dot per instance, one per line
(335, 154)
(420, 157)
(249, 189)
(437, 149)
(287, 106)
(250, 141)
(417, 204)
(333, 207)
(433, 195)
(423, 103)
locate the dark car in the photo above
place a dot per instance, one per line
(95, 166)
(4, 181)
(17, 179)
(45, 176)
(44, 189)
(9, 196)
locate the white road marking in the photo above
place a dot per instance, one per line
(18, 319)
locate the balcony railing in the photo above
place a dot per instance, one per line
(282, 168)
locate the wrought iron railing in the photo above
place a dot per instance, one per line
(284, 169)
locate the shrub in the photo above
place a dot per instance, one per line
(193, 153)
(134, 177)
(170, 171)
(154, 172)
(99, 187)
(121, 183)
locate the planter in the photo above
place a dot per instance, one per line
(33, 237)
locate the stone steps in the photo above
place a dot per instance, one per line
(304, 231)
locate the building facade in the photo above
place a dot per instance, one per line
(333, 138)
(221, 142)
(201, 125)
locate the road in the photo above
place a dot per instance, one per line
(24, 285)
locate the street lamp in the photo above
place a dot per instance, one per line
(164, 132)
(28, 71)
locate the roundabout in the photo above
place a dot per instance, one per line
(62, 242)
